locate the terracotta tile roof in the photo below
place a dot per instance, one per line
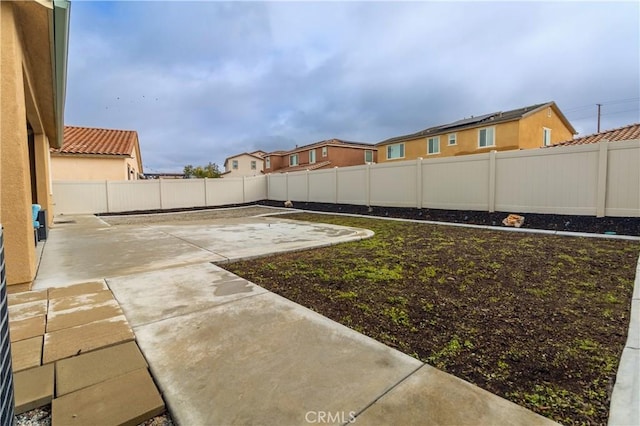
(479, 121)
(632, 131)
(89, 140)
(315, 166)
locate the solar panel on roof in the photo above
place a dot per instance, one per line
(470, 120)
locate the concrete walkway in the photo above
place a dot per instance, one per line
(226, 351)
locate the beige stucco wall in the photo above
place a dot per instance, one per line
(531, 128)
(244, 166)
(74, 167)
(15, 182)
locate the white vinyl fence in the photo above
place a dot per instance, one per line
(594, 180)
(82, 197)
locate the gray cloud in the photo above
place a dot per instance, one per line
(201, 81)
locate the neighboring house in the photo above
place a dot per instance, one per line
(320, 155)
(33, 56)
(97, 154)
(626, 133)
(523, 128)
(245, 164)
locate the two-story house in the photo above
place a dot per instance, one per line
(523, 128)
(320, 155)
(245, 164)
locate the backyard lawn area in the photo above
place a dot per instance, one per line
(540, 320)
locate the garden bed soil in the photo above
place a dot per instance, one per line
(553, 222)
(540, 320)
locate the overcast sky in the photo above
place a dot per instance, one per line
(200, 81)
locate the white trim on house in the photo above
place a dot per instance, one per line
(546, 136)
(488, 131)
(433, 140)
(449, 139)
(293, 160)
(312, 156)
(401, 152)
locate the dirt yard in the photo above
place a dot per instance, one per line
(540, 320)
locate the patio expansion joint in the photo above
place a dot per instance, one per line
(226, 259)
(206, 308)
(383, 394)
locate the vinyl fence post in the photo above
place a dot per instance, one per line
(419, 182)
(268, 182)
(601, 194)
(286, 186)
(492, 181)
(335, 188)
(308, 196)
(244, 195)
(106, 194)
(367, 183)
(160, 188)
(205, 192)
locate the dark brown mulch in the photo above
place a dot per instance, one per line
(554, 222)
(538, 319)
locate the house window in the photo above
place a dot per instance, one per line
(324, 151)
(267, 163)
(253, 165)
(453, 139)
(293, 160)
(235, 165)
(312, 156)
(433, 145)
(368, 156)
(395, 151)
(546, 136)
(486, 137)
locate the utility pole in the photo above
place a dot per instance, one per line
(599, 105)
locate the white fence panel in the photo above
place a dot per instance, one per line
(297, 186)
(623, 179)
(224, 191)
(278, 187)
(352, 185)
(79, 197)
(394, 184)
(180, 193)
(456, 183)
(134, 195)
(255, 188)
(561, 180)
(322, 186)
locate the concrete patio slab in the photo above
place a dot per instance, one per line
(98, 366)
(152, 296)
(258, 236)
(33, 388)
(94, 250)
(265, 360)
(84, 314)
(26, 354)
(27, 328)
(26, 296)
(128, 399)
(81, 289)
(433, 397)
(84, 338)
(27, 310)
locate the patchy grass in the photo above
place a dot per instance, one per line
(540, 320)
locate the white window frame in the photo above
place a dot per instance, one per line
(267, 163)
(546, 136)
(234, 164)
(388, 150)
(325, 151)
(435, 139)
(254, 165)
(291, 160)
(452, 137)
(365, 156)
(312, 153)
(493, 137)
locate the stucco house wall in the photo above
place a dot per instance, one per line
(244, 165)
(31, 117)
